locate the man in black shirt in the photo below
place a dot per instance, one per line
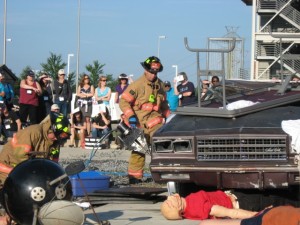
(10, 122)
(186, 91)
(62, 93)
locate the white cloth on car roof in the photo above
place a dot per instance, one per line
(239, 104)
(292, 127)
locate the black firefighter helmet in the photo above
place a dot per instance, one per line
(152, 65)
(27, 188)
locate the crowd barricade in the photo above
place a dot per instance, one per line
(115, 111)
(92, 143)
(114, 108)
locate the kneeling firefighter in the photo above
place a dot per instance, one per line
(40, 140)
(144, 105)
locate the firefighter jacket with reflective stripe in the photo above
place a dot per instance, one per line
(31, 139)
(147, 100)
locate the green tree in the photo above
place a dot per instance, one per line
(24, 72)
(111, 82)
(71, 79)
(95, 70)
(22, 76)
(53, 65)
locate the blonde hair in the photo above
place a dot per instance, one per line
(100, 78)
(169, 213)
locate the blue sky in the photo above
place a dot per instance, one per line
(118, 33)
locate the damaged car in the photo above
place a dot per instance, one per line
(244, 138)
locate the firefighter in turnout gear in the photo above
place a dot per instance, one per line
(40, 140)
(145, 106)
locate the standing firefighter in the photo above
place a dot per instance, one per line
(39, 140)
(145, 106)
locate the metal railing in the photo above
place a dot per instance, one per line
(264, 4)
(266, 49)
(290, 62)
(291, 13)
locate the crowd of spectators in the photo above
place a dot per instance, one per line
(40, 96)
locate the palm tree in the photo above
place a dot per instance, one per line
(95, 70)
(111, 82)
(71, 79)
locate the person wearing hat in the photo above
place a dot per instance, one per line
(62, 92)
(172, 95)
(39, 140)
(55, 108)
(29, 101)
(144, 105)
(121, 86)
(45, 99)
(186, 91)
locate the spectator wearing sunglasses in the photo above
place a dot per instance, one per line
(85, 92)
(102, 92)
(121, 86)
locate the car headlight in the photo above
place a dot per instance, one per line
(173, 146)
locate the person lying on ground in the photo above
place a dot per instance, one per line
(203, 205)
(280, 215)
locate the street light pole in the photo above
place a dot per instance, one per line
(69, 55)
(4, 34)
(158, 45)
(78, 45)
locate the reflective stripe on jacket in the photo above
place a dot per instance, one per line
(145, 99)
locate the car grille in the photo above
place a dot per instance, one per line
(243, 148)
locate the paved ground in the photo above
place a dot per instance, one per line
(117, 214)
(120, 214)
(134, 214)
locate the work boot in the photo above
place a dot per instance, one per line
(133, 180)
